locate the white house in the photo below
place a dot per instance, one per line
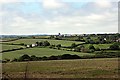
(118, 40)
(28, 46)
(105, 39)
(33, 45)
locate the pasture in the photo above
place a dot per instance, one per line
(101, 46)
(84, 68)
(53, 42)
(39, 52)
(9, 47)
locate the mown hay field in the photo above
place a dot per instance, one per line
(81, 68)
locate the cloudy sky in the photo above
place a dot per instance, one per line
(54, 16)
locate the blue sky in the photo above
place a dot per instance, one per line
(54, 16)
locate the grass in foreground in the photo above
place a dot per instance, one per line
(86, 68)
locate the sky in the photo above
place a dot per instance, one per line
(20, 17)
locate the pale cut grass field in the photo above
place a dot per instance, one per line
(81, 68)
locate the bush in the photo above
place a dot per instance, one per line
(34, 58)
(91, 47)
(44, 58)
(97, 49)
(53, 57)
(77, 49)
(73, 45)
(114, 47)
(43, 43)
(15, 59)
(59, 45)
(52, 46)
(22, 44)
(75, 57)
(92, 50)
(46, 43)
(7, 59)
(68, 56)
(25, 57)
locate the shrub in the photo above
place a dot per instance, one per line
(53, 58)
(68, 56)
(73, 45)
(22, 44)
(25, 57)
(97, 49)
(44, 58)
(46, 43)
(77, 49)
(15, 59)
(92, 50)
(91, 47)
(114, 47)
(6, 59)
(59, 45)
(33, 58)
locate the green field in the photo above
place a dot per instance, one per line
(0, 47)
(79, 68)
(84, 68)
(53, 42)
(39, 52)
(101, 46)
(9, 47)
(7, 39)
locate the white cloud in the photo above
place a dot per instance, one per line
(66, 24)
(8, 1)
(92, 21)
(103, 4)
(52, 4)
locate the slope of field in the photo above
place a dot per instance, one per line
(101, 46)
(32, 41)
(9, 47)
(39, 52)
(88, 68)
(7, 39)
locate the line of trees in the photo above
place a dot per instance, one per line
(43, 43)
(26, 57)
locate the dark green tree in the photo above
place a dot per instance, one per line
(114, 47)
(73, 45)
(91, 47)
(33, 58)
(46, 43)
(25, 57)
